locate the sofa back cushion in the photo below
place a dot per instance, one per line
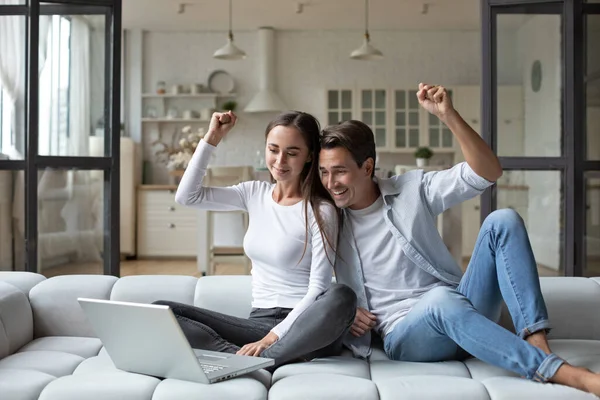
(228, 294)
(572, 307)
(56, 311)
(149, 288)
(16, 321)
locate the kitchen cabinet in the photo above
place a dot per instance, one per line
(165, 228)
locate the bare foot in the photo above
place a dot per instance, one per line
(591, 382)
(578, 378)
(540, 341)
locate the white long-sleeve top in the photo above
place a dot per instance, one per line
(274, 241)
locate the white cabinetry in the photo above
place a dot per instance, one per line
(399, 123)
(165, 228)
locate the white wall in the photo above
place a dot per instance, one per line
(308, 62)
(540, 39)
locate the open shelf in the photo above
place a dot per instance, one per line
(187, 96)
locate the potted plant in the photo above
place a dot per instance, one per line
(423, 154)
(229, 105)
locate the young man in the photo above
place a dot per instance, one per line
(409, 288)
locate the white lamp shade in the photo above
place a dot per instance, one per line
(229, 52)
(366, 52)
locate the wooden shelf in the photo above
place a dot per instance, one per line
(187, 95)
(174, 120)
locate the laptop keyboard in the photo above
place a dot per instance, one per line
(207, 368)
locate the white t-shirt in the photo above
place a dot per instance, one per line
(275, 240)
(393, 283)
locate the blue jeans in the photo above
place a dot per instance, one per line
(447, 322)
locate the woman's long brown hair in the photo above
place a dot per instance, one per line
(313, 191)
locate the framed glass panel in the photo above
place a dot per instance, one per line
(70, 222)
(367, 99)
(346, 99)
(413, 138)
(380, 99)
(400, 99)
(367, 117)
(530, 119)
(538, 197)
(380, 137)
(339, 106)
(332, 99)
(592, 223)
(400, 137)
(333, 118)
(592, 86)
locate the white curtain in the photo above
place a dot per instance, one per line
(79, 88)
(12, 68)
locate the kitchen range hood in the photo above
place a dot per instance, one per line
(267, 99)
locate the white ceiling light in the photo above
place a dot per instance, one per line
(366, 51)
(230, 51)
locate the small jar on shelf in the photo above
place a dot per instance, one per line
(161, 87)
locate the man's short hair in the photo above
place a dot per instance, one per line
(354, 136)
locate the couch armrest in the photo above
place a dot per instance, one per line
(22, 280)
(16, 321)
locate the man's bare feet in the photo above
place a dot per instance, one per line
(540, 341)
(578, 378)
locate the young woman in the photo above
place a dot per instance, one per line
(297, 313)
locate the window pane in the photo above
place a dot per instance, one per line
(72, 85)
(433, 120)
(12, 96)
(346, 99)
(413, 138)
(346, 116)
(332, 99)
(593, 87)
(537, 196)
(380, 137)
(400, 137)
(592, 224)
(446, 138)
(434, 137)
(367, 99)
(380, 99)
(12, 226)
(70, 222)
(380, 118)
(400, 118)
(332, 118)
(367, 117)
(400, 99)
(413, 118)
(413, 102)
(529, 114)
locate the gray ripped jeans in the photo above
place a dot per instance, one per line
(317, 332)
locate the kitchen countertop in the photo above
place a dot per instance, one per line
(157, 187)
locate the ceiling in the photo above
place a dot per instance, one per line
(212, 15)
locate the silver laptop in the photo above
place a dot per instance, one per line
(147, 339)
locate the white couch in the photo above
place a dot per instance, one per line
(48, 349)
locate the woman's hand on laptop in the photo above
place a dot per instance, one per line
(256, 348)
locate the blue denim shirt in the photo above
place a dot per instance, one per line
(412, 202)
